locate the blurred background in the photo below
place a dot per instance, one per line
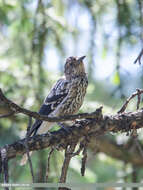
(36, 37)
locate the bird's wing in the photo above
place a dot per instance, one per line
(56, 95)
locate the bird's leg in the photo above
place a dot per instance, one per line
(65, 127)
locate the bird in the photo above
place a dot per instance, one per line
(65, 97)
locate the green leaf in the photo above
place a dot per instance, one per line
(116, 78)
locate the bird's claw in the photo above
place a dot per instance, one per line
(66, 128)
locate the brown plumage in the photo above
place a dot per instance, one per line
(66, 96)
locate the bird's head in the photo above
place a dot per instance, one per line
(74, 67)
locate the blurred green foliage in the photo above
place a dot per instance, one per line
(108, 32)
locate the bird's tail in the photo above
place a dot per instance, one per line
(24, 159)
(44, 127)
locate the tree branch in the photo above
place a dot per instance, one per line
(6, 115)
(128, 152)
(87, 127)
(138, 59)
(138, 94)
(68, 155)
(95, 125)
(17, 109)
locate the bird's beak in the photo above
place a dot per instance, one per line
(80, 59)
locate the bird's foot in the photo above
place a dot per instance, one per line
(65, 127)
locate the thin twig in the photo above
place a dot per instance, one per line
(7, 115)
(17, 109)
(83, 163)
(48, 164)
(139, 98)
(134, 133)
(138, 59)
(27, 148)
(81, 146)
(137, 93)
(68, 155)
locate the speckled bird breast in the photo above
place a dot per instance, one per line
(77, 91)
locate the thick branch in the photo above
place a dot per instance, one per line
(91, 127)
(128, 153)
(95, 126)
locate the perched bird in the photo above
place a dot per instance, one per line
(66, 96)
